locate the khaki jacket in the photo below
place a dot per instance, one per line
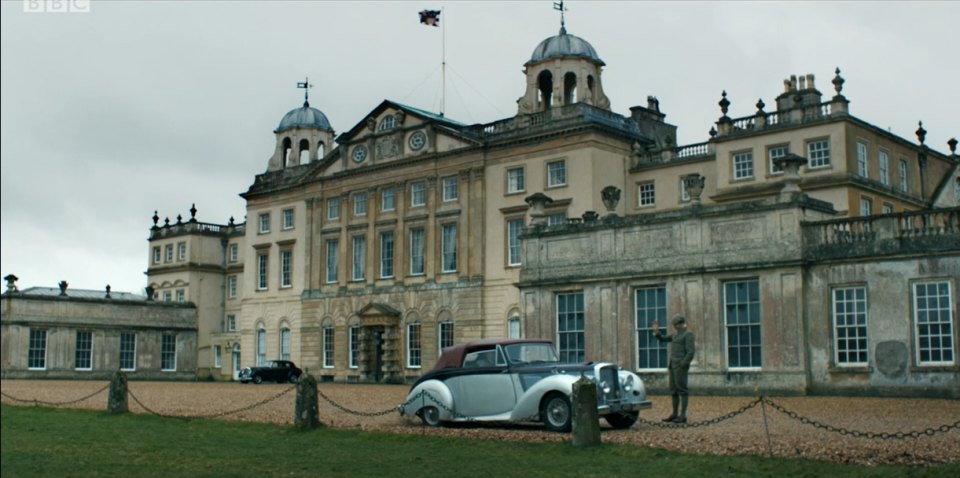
(682, 347)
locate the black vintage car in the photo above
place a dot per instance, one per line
(275, 371)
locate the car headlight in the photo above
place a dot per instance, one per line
(605, 387)
(627, 383)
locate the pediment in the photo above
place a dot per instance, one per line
(393, 131)
(376, 313)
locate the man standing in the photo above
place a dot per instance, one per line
(681, 354)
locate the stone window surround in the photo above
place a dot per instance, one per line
(734, 157)
(807, 144)
(548, 180)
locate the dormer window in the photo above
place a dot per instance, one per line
(388, 122)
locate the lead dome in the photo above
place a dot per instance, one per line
(564, 45)
(303, 117)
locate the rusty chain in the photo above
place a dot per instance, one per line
(212, 415)
(860, 434)
(703, 423)
(355, 412)
(36, 402)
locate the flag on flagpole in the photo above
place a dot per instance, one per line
(430, 17)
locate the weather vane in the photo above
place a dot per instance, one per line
(306, 90)
(559, 6)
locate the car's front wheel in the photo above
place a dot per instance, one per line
(257, 380)
(622, 421)
(294, 378)
(430, 416)
(556, 413)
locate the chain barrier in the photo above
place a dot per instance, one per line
(36, 402)
(212, 415)
(424, 395)
(860, 434)
(356, 412)
(703, 423)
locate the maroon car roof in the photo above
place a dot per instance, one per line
(452, 357)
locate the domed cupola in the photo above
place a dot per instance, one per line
(303, 135)
(562, 46)
(303, 117)
(563, 69)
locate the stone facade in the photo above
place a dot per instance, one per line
(81, 334)
(794, 259)
(360, 262)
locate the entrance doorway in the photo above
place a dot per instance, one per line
(235, 361)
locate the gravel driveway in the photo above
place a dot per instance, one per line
(743, 434)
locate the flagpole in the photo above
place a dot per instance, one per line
(443, 64)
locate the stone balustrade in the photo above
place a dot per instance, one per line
(926, 231)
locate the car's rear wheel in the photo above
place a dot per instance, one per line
(622, 421)
(556, 413)
(430, 416)
(257, 380)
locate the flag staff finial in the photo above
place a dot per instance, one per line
(443, 65)
(559, 6)
(306, 91)
(432, 18)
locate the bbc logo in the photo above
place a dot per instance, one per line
(56, 6)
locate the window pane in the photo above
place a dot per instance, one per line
(742, 317)
(570, 333)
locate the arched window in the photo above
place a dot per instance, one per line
(590, 85)
(414, 346)
(321, 150)
(545, 85)
(569, 88)
(326, 338)
(388, 122)
(261, 346)
(304, 157)
(285, 153)
(513, 325)
(445, 331)
(284, 344)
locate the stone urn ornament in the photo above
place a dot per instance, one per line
(694, 184)
(790, 164)
(611, 197)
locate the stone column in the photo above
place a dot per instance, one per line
(117, 396)
(306, 414)
(586, 422)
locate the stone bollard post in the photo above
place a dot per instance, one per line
(586, 422)
(117, 395)
(306, 416)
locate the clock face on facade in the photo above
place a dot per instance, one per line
(417, 140)
(359, 154)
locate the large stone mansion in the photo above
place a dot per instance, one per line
(810, 249)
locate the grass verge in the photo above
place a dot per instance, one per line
(75, 443)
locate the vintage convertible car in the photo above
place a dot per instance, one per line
(519, 380)
(275, 371)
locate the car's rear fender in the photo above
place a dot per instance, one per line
(528, 406)
(431, 393)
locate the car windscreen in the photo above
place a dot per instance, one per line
(531, 353)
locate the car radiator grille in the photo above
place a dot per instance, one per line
(609, 376)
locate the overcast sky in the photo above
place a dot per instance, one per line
(142, 106)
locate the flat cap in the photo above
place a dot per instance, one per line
(677, 319)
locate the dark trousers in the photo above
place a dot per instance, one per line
(678, 380)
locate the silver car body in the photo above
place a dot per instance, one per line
(512, 391)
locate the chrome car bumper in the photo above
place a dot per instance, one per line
(622, 407)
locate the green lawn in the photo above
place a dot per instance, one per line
(82, 443)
